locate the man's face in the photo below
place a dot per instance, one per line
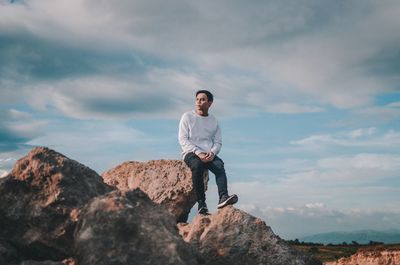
(202, 103)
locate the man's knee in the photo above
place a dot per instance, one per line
(194, 163)
(218, 163)
(197, 165)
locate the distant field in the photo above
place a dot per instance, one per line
(335, 252)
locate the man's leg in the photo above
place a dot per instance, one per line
(217, 167)
(197, 167)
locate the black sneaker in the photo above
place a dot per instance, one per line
(227, 200)
(202, 208)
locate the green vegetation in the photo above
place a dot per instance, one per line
(332, 252)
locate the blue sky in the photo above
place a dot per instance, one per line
(307, 93)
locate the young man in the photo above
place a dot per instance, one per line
(201, 141)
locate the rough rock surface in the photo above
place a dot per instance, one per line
(8, 253)
(166, 182)
(49, 262)
(55, 211)
(128, 228)
(373, 256)
(40, 201)
(232, 236)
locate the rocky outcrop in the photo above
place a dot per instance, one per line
(371, 256)
(166, 182)
(40, 202)
(10, 256)
(55, 211)
(7, 252)
(231, 236)
(128, 228)
(46, 194)
(49, 262)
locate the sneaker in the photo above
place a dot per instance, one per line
(227, 200)
(202, 208)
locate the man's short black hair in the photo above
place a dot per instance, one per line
(210, 96)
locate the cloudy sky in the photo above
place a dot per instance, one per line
(307, 93)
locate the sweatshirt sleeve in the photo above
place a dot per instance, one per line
(217, 141)
(183, 136)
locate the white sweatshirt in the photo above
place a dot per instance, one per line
(199, 134)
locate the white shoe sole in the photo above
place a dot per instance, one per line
(231, 200)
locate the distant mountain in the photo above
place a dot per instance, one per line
(361, 237)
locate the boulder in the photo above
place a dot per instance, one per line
(52, 208)
(69, 261)
(166, 182)
(8, 254)
(372, 255)
(128, 228)
(231, 236)
(40, 202)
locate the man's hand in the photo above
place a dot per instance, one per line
(210, 156)
(206, 157)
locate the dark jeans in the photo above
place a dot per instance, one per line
(197, 167)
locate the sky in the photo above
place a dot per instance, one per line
(307, 93)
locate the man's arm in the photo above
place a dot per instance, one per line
(217, 144)
(183, 136)
(217, 141)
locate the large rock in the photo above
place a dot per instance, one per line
(53, 208)
(10, 256)
(40, 202)
(380, 255)
(8, 253)
(166, 182)
(232, 236)
(128, 228)
(49, 262)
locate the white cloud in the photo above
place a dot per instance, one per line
(8, 159)
(144, 60)
(263, 54)
(103, 97)
(316, 205)
(47, 19)
(364, 137)
(3, 173)
(366, 180)
(14, 114)
(381, 162)
(394, 105)
(298, 221)
(17, 127)
(353, 172)
(291, 108)
(65, 135)
(28, 130)
(103, 145)
(285, 164)
(376, 114)
(362, 132)
(316, 140)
